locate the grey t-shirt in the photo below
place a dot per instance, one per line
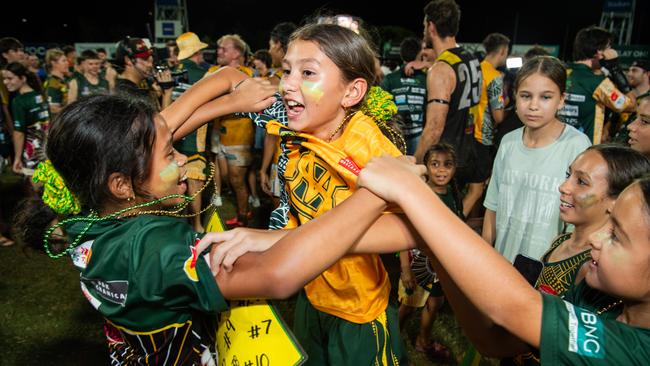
(523, 191)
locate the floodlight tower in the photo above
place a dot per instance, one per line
(171, 19)
(618, 18)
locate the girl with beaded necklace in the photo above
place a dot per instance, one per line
(143, 270)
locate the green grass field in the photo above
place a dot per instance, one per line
(45, 320)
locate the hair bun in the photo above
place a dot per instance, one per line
(379, 104)
(55, 193)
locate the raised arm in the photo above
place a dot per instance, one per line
(483, 275)
(198, 105)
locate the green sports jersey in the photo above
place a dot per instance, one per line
(194, 142)
(56, 90)
(587, 97)
(573, 333)
(32, 117)
(145, 277)
(410, 93)
(86, 88)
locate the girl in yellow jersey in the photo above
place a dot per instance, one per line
(343, 316)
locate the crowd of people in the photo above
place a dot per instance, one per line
(116, 153)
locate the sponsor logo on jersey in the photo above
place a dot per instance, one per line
(81, 254)
(618, 99)
(350, 165)
(586, 333)
(113, 291)
(578, 98)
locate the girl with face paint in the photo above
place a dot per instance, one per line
(147, 275)
(327, 72)
(334, 125)
(594, 181)
(604, 320)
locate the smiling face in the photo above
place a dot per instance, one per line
(583, 195)
(166, 168)
(313, 90)
(12, 81)
(538, 100)
(227, 53)
(640, 128)
(441, 168)
(91, 66)
(621, 249)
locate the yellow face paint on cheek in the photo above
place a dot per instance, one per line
(170, 173)
(281, 87)
(587, 200)
(312, 90)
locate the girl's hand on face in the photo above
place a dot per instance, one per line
(385, 176)
(253, 94)
(232, 244)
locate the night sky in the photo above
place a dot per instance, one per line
(542, 22)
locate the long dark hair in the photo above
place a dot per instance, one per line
(98, 136)
(20, 70)
(624, 165)
(88, 141)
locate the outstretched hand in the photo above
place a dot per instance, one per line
(386, 176)
(253, 94)
(234, 243)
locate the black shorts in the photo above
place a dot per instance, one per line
(478, 165)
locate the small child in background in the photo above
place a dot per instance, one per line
(419, 286)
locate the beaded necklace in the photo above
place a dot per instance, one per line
(609, 307)
(93, 217)
(345, 120)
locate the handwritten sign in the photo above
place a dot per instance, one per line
(252, 333)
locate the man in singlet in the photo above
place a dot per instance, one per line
(453, 92)
(89, 82)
